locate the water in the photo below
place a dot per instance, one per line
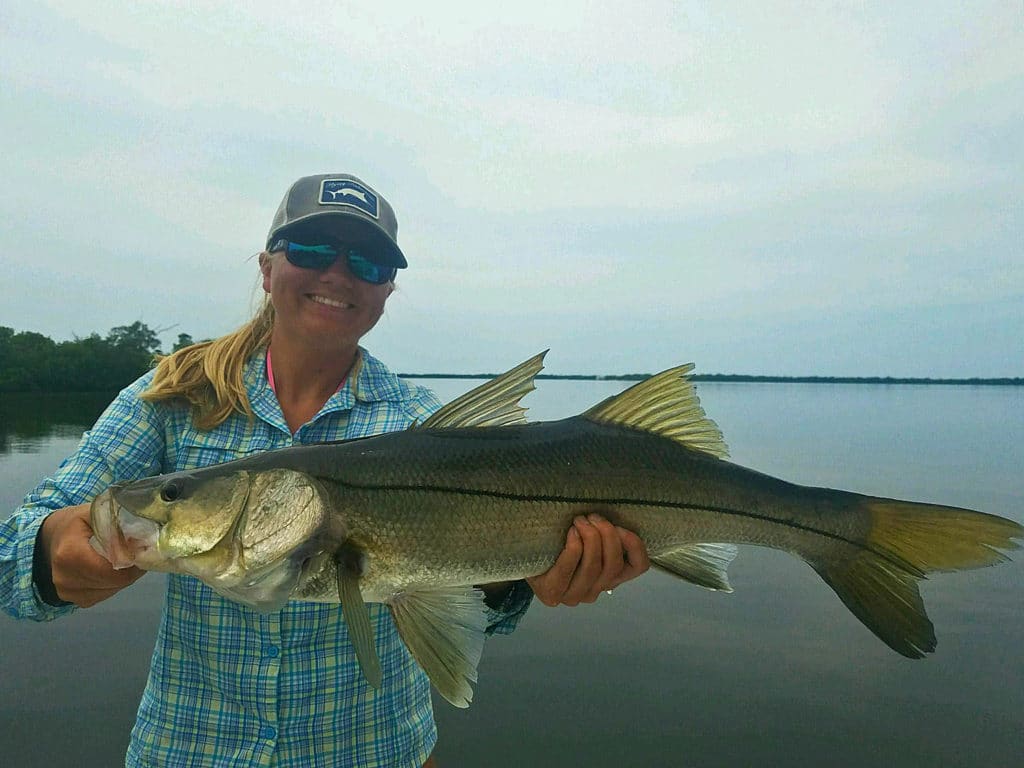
(661, 673)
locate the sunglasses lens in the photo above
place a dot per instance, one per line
(367, 270)
(311, 256)
(321, 256)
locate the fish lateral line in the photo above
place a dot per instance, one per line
(509, 496)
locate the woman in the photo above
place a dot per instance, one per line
(229, 686)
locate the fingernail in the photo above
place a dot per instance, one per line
(581, 520)
(574, 535)
(595, 518)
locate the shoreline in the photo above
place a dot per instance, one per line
(746, 378)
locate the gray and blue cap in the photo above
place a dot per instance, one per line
(343, 205)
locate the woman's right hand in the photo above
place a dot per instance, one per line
(80, 574)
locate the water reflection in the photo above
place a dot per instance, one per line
(778, 673)
(29, 421)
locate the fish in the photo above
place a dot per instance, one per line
(418, 519)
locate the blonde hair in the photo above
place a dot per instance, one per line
(209, 375)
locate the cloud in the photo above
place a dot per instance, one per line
(731, 178)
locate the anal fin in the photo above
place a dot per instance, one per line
(702, 564)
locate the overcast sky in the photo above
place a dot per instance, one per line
(774, 188)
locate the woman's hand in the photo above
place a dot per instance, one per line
(598, 557)
(80, 575)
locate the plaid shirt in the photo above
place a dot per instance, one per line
(229, 686)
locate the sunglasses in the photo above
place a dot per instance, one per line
(321, 256)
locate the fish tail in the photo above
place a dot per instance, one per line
(906, 541)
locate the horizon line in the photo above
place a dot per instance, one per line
(750, 378)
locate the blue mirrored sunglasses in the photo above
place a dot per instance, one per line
(322, 255)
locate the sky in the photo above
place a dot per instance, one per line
(764, 188)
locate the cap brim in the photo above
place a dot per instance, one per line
(342, 224)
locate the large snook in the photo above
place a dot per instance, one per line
(475, 495)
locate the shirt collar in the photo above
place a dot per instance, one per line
(369, 381)
(262, 399)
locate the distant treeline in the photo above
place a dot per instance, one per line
(855, 379)
(32, 362)
(737, 377)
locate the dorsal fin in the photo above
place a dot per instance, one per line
(494, 404)
(667, 405)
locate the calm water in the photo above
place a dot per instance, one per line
(661, 673)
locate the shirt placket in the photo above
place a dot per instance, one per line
(267, 697)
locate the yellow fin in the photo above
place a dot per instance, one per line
(930, 537)
(906, 541)
(702, 564)
(494, 404)
(885, 598)
(666, 405)
(444, 630)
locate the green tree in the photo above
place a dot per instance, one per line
(26, 361)
(31, 362)
(137, 337)
(184, 340)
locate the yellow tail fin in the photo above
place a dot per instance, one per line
(906, 542)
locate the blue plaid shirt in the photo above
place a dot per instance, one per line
(229, 686)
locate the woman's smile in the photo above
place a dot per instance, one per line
(328, 302)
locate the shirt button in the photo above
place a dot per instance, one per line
(268, 732)
(273, 652)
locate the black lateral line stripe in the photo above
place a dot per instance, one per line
(634, 502)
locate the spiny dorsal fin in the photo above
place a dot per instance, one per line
(494, 404)
(667, 405)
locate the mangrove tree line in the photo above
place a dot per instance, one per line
(32, 362)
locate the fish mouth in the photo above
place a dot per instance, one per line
(121, 537)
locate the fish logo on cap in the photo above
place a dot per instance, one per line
(350, 193)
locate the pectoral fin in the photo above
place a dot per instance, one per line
(444, 631)
(701, 564)
(357, 616)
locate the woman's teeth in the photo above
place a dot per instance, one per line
(331, 302)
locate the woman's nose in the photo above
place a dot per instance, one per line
(337, 269)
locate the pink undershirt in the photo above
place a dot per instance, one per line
(270, 373)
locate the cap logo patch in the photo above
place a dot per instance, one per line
(350, 193)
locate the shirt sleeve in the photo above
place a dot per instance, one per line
(127, 442)
(506, 617)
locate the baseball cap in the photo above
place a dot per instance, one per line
(339, 203)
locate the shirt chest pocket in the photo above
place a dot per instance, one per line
(201, 449)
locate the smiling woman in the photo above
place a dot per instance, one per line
(322, 313)
(228, 685)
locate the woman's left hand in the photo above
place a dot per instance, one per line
(598, 557)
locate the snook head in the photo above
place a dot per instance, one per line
(246, 534)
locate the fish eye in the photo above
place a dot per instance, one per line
(170, 491)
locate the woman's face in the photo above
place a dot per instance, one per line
(322, 308)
